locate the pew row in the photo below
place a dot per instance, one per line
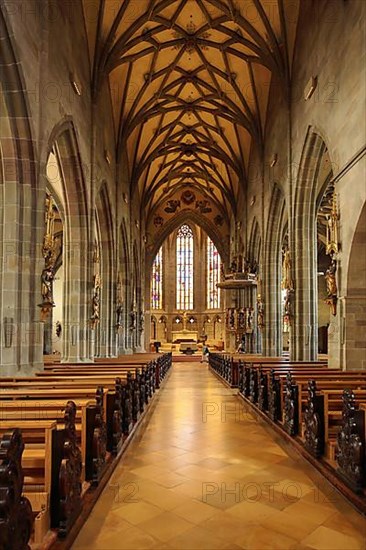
(106, 410)
(321, 410)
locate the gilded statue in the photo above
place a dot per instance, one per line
(332, 246)
(332, 290)
(330, 279)
(287, 283)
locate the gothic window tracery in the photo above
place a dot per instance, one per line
(185, 253)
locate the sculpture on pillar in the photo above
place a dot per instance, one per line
(47, 278)
(260, 312)
(49, 254)
(132, 319)
(141, 321)
(332, 290)
(95, 317)
(287, 308)
(332, 245)
(119, 308)
(287, 285)
(249, 319)
(332, 248)
(119, 316)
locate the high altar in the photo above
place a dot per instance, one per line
(184, 335)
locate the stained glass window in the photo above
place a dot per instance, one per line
(157, 282)
(213, 275)
(185, 268)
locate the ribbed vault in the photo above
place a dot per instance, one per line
(190, 81)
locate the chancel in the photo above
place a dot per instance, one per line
(183, 274)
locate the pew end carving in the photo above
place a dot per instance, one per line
(16, 516)
(70, 471)
(291, 412)
(350, 451)
(314, 421)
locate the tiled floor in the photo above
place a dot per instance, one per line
(205, 474)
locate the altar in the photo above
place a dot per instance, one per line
(184, 335)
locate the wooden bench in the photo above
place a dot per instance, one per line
(17, 519)
(254, 378)
(295, 393)
(350, 452)
(52, 467)
(323, 414)
(93, 430)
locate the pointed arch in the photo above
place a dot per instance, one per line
(308, 191)
(107, 241)
(277, 220)
(187, 216)
(21, 217)
(77, 244)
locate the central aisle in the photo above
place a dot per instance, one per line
(203, 473)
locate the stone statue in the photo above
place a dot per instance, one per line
(58, 329)
(142, 321)
(234, 266)
(119, 316)
(132, 320)
(47, 278)
(260, 312)
(249, 319)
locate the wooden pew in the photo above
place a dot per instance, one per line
(255, 378)
(16, 520)
(324, 412)
(93, 424)
(52, 468)
(295, 392)
(351, 443)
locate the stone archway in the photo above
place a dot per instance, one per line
(277, 220)
(77, 249)
(355, 300)
(124, 290)
(106, 328)
(21, 335)
(309, 187)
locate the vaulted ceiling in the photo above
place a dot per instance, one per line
(189, 82)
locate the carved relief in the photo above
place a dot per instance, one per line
(172, 206)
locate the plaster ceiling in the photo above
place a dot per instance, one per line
(189, 82)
